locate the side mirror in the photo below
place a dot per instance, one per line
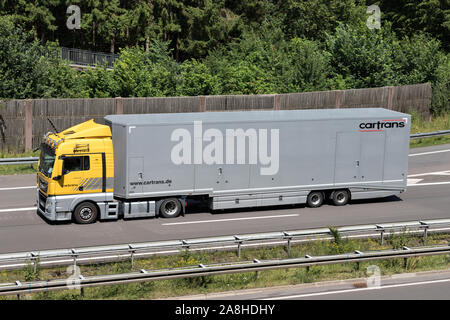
(57, 178)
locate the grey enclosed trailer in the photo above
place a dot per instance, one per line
(257, 158)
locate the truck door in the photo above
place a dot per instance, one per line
(75, 174)
(372, 156)
(347, 157)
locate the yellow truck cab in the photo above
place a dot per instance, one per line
(76, 172)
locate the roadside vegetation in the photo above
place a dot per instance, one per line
(220, 283)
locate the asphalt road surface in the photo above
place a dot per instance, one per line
(427, 197)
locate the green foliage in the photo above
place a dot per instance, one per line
(207, 47)
(32, 270)
(195, 79)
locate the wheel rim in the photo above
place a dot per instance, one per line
(341, 197)
(86, 213)
(315, 199)
(170, 208)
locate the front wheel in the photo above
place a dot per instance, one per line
(85, 212)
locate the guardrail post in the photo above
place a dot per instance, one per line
(239, 242)
(289, 238)
(357, 263)
(81, 287)
(425, 230)
(18, 283)
(33, 261)
(307, 257)
(184, 244)
(256, 272)
(132, 251)
(74, 256)
(381, 234)
(405, 260)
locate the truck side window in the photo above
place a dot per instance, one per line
(75, 164)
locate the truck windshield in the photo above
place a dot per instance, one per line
(46, 160)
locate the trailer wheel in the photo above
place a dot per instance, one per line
(85, 212)
(340, 197)
(315, 199)
(170, 208)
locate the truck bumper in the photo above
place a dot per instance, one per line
(47, 207)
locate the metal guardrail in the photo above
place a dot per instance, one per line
(88, 58)
(429, 134)
(217, 269)
(119, 252)
(28, 160)
(31, 160)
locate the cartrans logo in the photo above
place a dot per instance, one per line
(382, 124)
(234, 146)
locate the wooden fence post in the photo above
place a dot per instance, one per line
(119, 105)
(202, 104)
(28, 125)
(337, 99)
(390, 97)
(277, 102)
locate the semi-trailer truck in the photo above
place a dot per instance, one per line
(150, 165)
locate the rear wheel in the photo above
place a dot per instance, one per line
(340, 197)
(170, 208)
(315, 199)
(85, 212)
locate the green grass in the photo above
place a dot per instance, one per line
(18, 168)
(219, 283)
(420, 125)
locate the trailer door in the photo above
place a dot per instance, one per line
(372, 156)
(347, 157)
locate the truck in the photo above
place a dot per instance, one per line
(151, 165)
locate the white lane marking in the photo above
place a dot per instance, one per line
(18, 209)
(428, 184)
(413, 181)
(359, 290)
(429, 173)
(430, 152)
(233, 219)
(18, 188)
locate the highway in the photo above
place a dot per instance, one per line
(427, 197)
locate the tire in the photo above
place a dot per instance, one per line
(340, 197)
(170, 208)
(85, 213)
(315, 199)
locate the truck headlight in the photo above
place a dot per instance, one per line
(49, 205)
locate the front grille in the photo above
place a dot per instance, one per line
(43, 185)
(42, 201)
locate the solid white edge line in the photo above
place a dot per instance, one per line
(427, 184)
(359, 290)
(430, 152)
(18, 209)
(18, 188)
(233, 219)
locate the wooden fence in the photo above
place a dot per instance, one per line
(24, 122)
